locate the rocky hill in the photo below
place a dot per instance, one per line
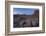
(26, 20)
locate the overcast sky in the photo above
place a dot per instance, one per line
(27, 11)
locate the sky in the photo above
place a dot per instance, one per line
(27, 11)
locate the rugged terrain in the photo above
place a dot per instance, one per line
(26, 20)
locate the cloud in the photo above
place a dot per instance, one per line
(17, 13)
